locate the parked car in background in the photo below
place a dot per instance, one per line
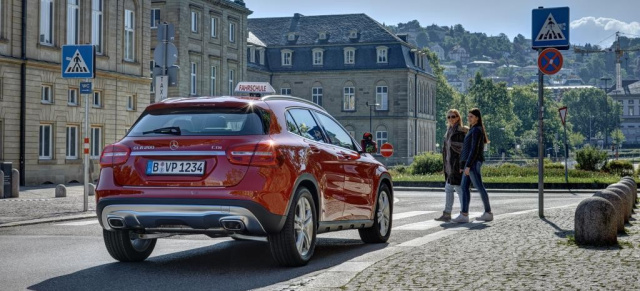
(276, 168)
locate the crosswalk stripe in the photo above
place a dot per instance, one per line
(403, 215)
(424, 225)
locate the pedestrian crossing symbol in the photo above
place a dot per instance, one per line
(551, 30)
(78, 61)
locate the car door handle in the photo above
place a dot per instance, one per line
(314, 148)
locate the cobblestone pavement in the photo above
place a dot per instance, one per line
(521, 252)
(30, 206)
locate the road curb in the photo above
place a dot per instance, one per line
(90, 214)
(582, 191)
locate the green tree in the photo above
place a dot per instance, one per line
(446, 96)
(593, 112)
(617, 137)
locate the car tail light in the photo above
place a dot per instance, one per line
(261, 154)
(114, 155)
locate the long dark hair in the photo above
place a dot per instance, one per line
(476, 113)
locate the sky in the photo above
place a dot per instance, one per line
(594, 22)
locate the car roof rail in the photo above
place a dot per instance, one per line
(288, 97)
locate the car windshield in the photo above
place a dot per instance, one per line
(193, 122)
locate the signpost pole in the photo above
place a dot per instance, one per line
(566, 156)
(540, 142)
(85, 146)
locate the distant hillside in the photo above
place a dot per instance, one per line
(505, 52)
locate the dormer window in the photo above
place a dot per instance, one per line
(382, 54)
(291, 36)
(261, 55)
(318, 54)
(287, 57)
(252, 53)
(353, 34)
(322, 36)
(349, 55)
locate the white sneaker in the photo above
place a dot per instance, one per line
(461, 219)
(485, 217)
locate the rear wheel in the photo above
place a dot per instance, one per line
(380, 231)
(296, 242)
(123, 246)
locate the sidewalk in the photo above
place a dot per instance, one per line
(39, 204)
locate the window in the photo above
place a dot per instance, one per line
(231, 85)
(232, 32)
(46, 95)
(155, 17)
(72, 21)
(350, 56)
(317, 57)
(194, 21)
(286, 57)
(381, 138)
(131, 102)
(72, 142)
(336, 134)
(261, 54)
(45, 145)
(631, 111)
(96, 25)
(97, 99)
(382, 54)
(630, 101)
(291, 124)
(1, 141)
(46, 22)
(322, 35)
(152, 64)
(214, 27)
(212, 87)
(382, 98)
(252, 54)
(96, 142)
(129, 19)
(307, 124)
(353, 34)
(285, 91)
(72, 97)
(316, 95)
(349, 101)
(194, 77)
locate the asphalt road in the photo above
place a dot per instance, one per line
(71, 255)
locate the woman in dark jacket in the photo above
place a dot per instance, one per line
(470, 163)
(451, 149)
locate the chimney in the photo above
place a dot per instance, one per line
(239, 2)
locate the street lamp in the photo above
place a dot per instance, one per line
(370, 112)
(605, 79)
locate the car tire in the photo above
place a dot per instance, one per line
(294, 245)
(380, 231)
(125, 248)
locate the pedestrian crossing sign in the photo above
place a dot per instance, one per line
(78, 61)
(550, 28)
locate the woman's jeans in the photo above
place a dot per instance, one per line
(474, 177)
(448, 190)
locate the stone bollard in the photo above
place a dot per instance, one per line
(634, 188)
(627, 194)
(625, 201)
(15, 183)
(92, 189)
(61, 190)
(1, 184)
(595, 222)
(617, 204)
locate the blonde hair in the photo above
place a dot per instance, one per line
(457, 113)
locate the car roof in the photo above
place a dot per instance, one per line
(233, 101)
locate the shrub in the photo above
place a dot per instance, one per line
(548, 164)
(427, 163)
(509, 166)
(589, 158)
(401, 169)
(619, 167)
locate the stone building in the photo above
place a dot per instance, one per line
(629, 99)
(348, 64)
(41, 113)
(211, 38)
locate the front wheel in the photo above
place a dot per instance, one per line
(380, 231)
(294, 244)
(123, 246)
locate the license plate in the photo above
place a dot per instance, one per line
(175, 167)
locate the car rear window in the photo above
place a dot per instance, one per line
(193, 122)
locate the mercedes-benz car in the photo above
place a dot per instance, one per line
(277, 168)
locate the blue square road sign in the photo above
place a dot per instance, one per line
(550, 28)
(78, 61)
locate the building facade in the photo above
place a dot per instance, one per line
(210, 37)
(629, 100)
(366, 77)
(41, 113)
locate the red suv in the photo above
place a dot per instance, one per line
(275, 168)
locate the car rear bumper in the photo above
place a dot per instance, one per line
(214, 217)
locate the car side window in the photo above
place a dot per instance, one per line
(307, 124)
(291, 125)
(337, 135)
